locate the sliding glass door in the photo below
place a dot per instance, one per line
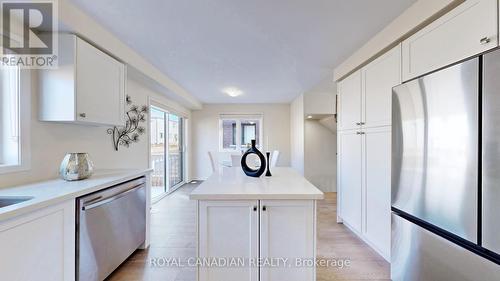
(167, 152)
(175, 153)
(158, 153)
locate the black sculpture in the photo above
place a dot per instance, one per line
(249, 171)
(268, 173)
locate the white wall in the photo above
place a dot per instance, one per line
(297, 133)
(320, 100)
(320, 166)
(205, 132)
(51, 141)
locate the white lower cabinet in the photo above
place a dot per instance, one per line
(349, 157)
(228, 229)
(231, 229)
(377, 189)
(287, 231)
(40, 245)
(365, 185)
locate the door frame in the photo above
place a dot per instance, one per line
(152, 102)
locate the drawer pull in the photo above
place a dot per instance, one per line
(485, 40)
(83, 115)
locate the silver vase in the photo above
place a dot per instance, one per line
(76, 166)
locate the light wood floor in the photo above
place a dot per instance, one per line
(338, 242)
(173, 231)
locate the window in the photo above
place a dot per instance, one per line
(14, 120)
(236, 132)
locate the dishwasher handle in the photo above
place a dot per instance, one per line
(95, 204)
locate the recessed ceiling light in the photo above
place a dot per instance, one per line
(309, 117)
(232, 91)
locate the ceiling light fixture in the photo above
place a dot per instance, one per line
(309, 117)
(232, 91)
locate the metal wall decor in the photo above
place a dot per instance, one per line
(124, 136)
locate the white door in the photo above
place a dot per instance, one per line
(100, 86)
(349, 156)
(39, 246)
(467, 30)
(228, 229)
(287, 230)
(378, 79)
(377, 183)
(350, 102)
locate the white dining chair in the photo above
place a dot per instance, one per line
(235, 160)
(212, 162)
(274, 158)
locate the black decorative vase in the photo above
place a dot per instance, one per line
(249, 171)
(268, 173)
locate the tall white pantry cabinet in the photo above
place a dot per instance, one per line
(364, 149)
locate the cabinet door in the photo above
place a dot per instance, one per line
(100, 86)
(39, 246)
(378, 79)
(377, 183)
(350, 101)
(228, 229)
(287, 230)
(467, 30)
(350, 178)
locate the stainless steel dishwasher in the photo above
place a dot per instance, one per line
(111, 225)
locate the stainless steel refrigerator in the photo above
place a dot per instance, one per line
(446, 174)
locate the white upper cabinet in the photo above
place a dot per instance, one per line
(378, 78)
(350, 102)
(87, 88)
(469, 29)
(366, 95)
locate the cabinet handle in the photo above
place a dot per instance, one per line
(255, 208)
(358, 123)
(362, 123)
(485, 40)
(361, 133)
(358, 133)
(83, 115)
(264, 208)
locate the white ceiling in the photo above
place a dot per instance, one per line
(273, 50)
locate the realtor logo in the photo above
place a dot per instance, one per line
(29, 34)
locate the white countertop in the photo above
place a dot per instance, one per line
(51, 192)
(233, 184)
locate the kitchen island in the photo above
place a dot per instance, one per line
(256, 228)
